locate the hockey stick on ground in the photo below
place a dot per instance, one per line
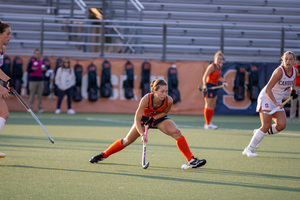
(211, 88)
(144, 164)
(277, 108)
(29, 110)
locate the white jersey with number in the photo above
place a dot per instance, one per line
(279, 89)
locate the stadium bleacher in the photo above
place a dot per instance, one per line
(245, 30)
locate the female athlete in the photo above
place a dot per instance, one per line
(282, 79)
(152, 110)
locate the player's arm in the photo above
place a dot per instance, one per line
(139, 114)
(276, 76)
(3, 76)
(3, 91)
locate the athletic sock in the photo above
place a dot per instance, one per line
(273, 130)
(256, 139)
(2, 122)
(114, 148)
(184, 148)
(208, 114)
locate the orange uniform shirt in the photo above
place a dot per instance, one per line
(213, 78)
(150, 111)
(297, 80)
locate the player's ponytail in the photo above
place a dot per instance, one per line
(156, 83)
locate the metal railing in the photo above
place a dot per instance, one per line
(157, 40)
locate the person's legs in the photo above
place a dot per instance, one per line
(117, 145)
(69, 97)
(60, 97)
(293, 109)
(32, 91)
(40, 88)
(267, 127)
(169, 128)
(210, 104)
(4, 114)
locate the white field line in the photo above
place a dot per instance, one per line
(131, 122)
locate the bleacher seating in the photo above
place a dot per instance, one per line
(252, 30)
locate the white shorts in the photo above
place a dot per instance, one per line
(264, 103)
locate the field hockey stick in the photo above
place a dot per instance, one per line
(278, 107)
(211, 88)
(144, 164)
(29, 110)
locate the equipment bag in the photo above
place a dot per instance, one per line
(253, 83)
(77, 88)
(145, 78)
(173, 84)
(58, 65)
(47, 76)
(92, 83)
(128, 84)
(239, 82)
(106, 86)
(17, 73)
(6, 67)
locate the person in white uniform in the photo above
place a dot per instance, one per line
(270, 97)
(5, 36)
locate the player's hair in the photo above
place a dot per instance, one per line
(285, 54)
(66, 60)
(3, 26)
(219, 53)
(156, 83)
(298, 58)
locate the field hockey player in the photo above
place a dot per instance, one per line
(5, 36)
(270, 97)
(152, 110)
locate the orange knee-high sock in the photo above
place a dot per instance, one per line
(184, 148)
(208, 114)
(114, 148)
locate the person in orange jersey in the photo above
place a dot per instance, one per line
(5, 36)
(211, 78)
(152, 110)
(294, 102)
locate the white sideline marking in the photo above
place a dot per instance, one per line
(131, 122)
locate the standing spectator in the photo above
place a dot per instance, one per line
(35, 71)
(297, 88)
(65, 80)
(211, 77)
(271, 97)
(5, 36)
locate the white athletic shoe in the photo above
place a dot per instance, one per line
(41, 111)
(57, 111)
(256, 147)
(210, 126)
(249, 153)
(2, 155)
(71, 112)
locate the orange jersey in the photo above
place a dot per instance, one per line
(297, 80)
(214, 77)
(150, 111)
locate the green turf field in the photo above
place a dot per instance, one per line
(36, 169)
